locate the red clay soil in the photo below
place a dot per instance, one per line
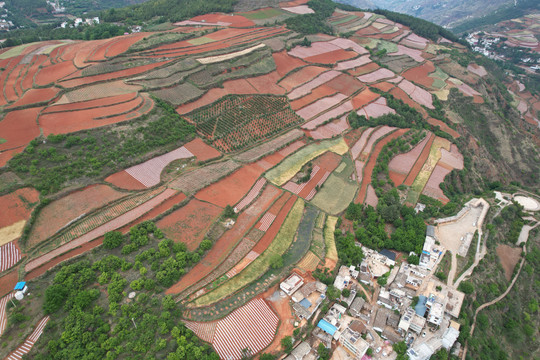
(370, 165)
(444, 127)
(6, 155)
(396, 178)
(17, 205)
(66, 122)
(190, 223)
(353, 136)
(121, 46)
(420, 74)
(384, 86)
(477, 99)
(12, 64)
(210, 97)
(332, 57)
(34, 96)
(10, 83)
(125, 181)
(509, 257)
(8, 282)
(232, 188)
(301, 76)
(316, 94)
(112, 75)
(273, 230)
(53, 73)
(363, 98)
(19, 127)
(239, 86)
(81, 105)
(419, 162)
(236, 20)
(345, 84)
(286, 319)
(266, 84)
(228, 241)
(286, 63)
(60, 212)
(364, 69)
(201, 150)
(402, 95)
(28, 80)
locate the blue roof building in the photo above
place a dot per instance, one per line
(20, 285)
(421, 307)
(305, 303)
(327, 327)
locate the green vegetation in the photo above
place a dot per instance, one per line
(335, 194)
(313, 23)
(260, 265)
(79, 157)
(91, 294)
(369, 225)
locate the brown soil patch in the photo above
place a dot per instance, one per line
(509, 257)
(364, 69)
(8, 281)
(285, 63)
(125, 181)
(332, 57)
(286, 324)
(345, 84)
(17, 206)
(201, 150)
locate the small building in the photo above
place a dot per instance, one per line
(308, 299)
(353, 342)
(301, 351)
(291, 284)
(348, 300)
(356, 306)
(391, 335)
(390, 256)
(380, 319)
(436, 313)
(327, 327)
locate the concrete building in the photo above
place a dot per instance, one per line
(291, 284)
(308, 298)
(353, 342)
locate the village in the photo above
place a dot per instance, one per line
(385, 300)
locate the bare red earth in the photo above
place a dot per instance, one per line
(301, 76)
(120, 47)
(364, 98)
(402, 95)
(364, 69)
(285, 63)
(190, 223)
(81, 105)
(232, 188)
(332, 57)
(266, 84)
(228, 241)
(384, 86)
(370, 165)
(54, 73)
(273, 230)
(19, 127)
(419, 162)
(36, 96)
(316, 94)
(8, 281)
(125, 181)
(444, 127)
(18, 205)
(201, 150)
(345, 84)
(420, 74)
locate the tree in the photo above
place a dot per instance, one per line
(332, 293)
(287, 344)
(324, 353)
(276, 261)
(400, 348)
(413, 259)
(467, 287)
(55, 296)
(113, 239)
(346, 293)
(267, 357)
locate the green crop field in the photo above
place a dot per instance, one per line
(329, 240)
(292, 164)
(258, 267)
(263, 14)
(335, 195)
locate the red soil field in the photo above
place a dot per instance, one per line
(66, 122)
(419, 162)
(509, 257)
(120, 47)
(396, 178)
(8, 281)
(60, 212)
(34, 96)
(364, 69)
(228, 241)
(420, 74)
(384, 86)
(236, 20)
(232, 188)
(112, 75)
(370, 165)
(81, 105)
(9, 84)
(6, 155)
(332, 57)
(4, 75)
(444, 127)
(17, 205)
(201, 150)
(352, 137)
(125, 181)
(190, 223)
(301, 76)
(285, 63)
(28, 80)
(316, 94)
(345, 84)
(401, 164)
(266, 84)
(53, 73)
(19, 127)
(364, 98)
(273, 230)
(402, 95)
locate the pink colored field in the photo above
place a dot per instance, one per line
(467, 90)
(371, 197)
(403, 163)
(327, 131)
(357, 148)
(377, 75)
(251, 195)
(351, 64)
(301, 76)
(415, 41)
(36, 96)
(332, 57)
(190, 223)
(432, 188)
(148, 173)
(317, 94)
(3, 316)
(316, 48)
(308, 86)
(376, 109)
(300, 9)
(114, 224)
(9, 256)
(416, 55)
(201, 150)
(28, 344)
(451, 159)
(346, 107)
(349, 44)
(285, 62)
(232, 188)
(477, 69)
(416, 93)
(321, 105)
(376, 135)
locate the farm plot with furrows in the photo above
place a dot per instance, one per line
(90, 104)
(193, 181)
(335, 194)
(112, 66)
(336, 112)
(59, 213)
(421, 159)
(104, 216)
(269, 147)
(36, 96)
(201, 150)
(375, 136)
(227, 242)
(17, 206)
(190, 223)
(400, 166)
(331, 129)
(28, 344)
(3, 316)
(9, 256)
(179, 94)
(237, 121)
(251, 195)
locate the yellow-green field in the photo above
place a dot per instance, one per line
(329, 240)
(282, 173)
(335, 195)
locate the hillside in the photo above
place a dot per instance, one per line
(158, 186)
